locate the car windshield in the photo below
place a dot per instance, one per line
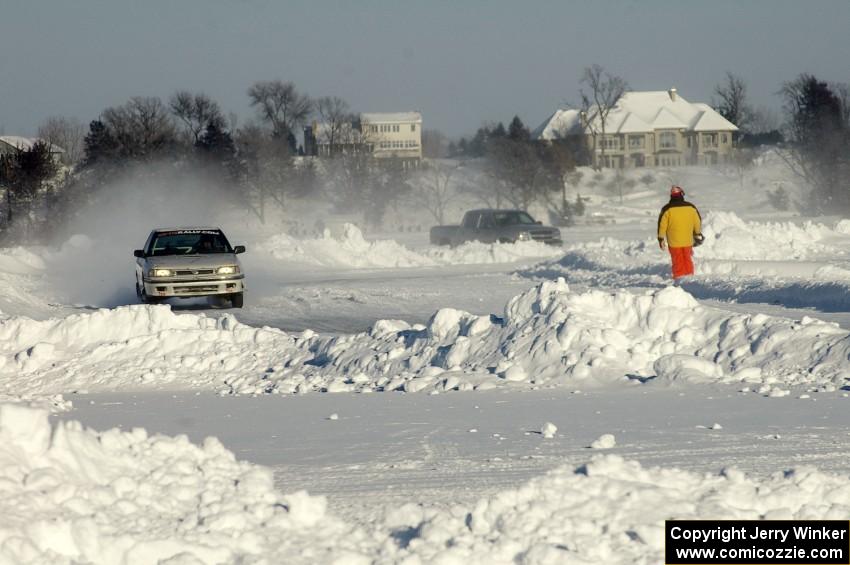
(189, 242)
(512, 218)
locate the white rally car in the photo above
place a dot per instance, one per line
(187, 263)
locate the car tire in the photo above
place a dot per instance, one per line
(236, 300)
(144, 298)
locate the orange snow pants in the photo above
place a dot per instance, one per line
(682, 261)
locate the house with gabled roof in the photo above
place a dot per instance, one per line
(13, 144)
(655, 128)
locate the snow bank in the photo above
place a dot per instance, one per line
(730, 237)
(608, 511)
(73, 495)
(547, 336)
(351, 249)
(133, 347)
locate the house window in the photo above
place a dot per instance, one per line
(709, 140)
(668, 140)
(723, 138)
(635, 141)
(610, 142)
(412, 127)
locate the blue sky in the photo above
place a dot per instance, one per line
(460, 63)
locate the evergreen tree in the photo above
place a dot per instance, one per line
(216, 148)
(477, 146)
(101, 147)
(517, 130)
(499, 131)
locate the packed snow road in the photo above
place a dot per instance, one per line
(367, 451)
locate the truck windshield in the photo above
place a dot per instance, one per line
(512, 218)
(189, 242)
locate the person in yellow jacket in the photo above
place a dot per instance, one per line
(680, 227)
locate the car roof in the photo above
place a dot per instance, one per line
(498, 210)
(188, 228)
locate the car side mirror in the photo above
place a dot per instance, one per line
(539, 223)
(139, 253)
(239, 249)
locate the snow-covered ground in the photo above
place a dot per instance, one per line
(459, 378)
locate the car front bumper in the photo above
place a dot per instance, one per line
(173, 288)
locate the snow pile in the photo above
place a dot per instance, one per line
(72, 495)
(608, 511)
(351, 249)
(133, 347)
(729, 237)
(548, 335)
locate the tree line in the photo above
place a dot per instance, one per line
(257, 166)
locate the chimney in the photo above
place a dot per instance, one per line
(672, 93)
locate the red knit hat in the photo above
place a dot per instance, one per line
(676, 191)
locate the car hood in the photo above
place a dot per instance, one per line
(192, 261)
(534, 228)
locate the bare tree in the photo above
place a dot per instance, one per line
(818, 137)
(743, 159)
(731, 101)
(434, 144)
(196, 112)
(66, 133)
(605, 90)
(337, 119)
(266, 166)
(842, 92)
(434, 191)
(523, 170)
(281, 106)
(141, 127)
(763, 119)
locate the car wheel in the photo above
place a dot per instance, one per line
(143, 296)
(236, 300)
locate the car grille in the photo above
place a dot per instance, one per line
(543, 236)
(195, 289)
(187, 272)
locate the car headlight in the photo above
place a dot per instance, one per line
(160, 273)
(228, 270)
(523, 236)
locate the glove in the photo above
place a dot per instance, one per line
(698, 239)
(661, 243)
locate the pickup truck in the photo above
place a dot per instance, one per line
(495, 226)
(189, 262)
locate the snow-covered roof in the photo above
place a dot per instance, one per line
(390, 117)
(560, 124)
(639, 112)
(26, 143)
(633, 124)
(710, 120)
(665, 119)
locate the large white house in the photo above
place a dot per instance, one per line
(393, 134)
(655, 128)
